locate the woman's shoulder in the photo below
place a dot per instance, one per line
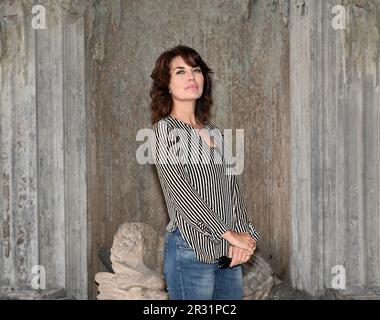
(213, 126)
(162, 123)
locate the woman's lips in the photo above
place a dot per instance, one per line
(192, 88)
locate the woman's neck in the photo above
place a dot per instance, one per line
(190, 120)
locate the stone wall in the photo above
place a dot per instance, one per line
(75, 95)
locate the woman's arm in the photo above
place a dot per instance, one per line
(243, 224)
(185, 198)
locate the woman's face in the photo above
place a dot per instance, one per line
(186, 82)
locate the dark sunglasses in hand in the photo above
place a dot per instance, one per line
(224, 262)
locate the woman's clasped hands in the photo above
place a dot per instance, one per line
(242, 247)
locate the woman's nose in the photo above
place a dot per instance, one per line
(191, 75)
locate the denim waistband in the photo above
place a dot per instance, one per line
(174, 233)
(177, 235)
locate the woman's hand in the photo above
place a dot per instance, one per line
(241, 240)
(238, 255)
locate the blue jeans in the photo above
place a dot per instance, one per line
(189, 279)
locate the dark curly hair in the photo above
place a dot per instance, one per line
(162, 103)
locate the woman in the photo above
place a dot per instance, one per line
(208, 218)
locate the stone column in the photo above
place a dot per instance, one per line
(43, 205)
(335, 145)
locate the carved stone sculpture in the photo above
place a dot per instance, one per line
(133, 279)
(258, 278)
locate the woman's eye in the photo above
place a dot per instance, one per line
(197, 69)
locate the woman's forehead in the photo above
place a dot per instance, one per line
(179, 62)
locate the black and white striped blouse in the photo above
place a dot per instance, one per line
(202, 197)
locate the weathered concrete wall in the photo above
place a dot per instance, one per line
(335, 99)
(43, 217)
(260, 105)
(74, 96)
(44, 128)
(245, 43)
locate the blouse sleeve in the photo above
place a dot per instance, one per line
(189, 204)
(243, 224)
